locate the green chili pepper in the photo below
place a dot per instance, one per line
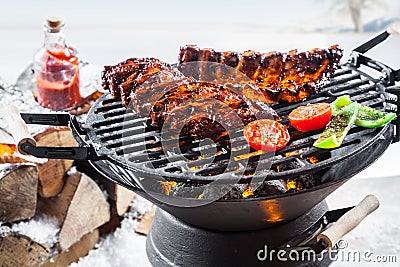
(338, 128)
(372, 118)
(367, 117)
(339, 103)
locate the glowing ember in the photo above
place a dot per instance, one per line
(194, 168)
(7, 149)
(312, 159)
(248, 192)
(248, 155)
(167, 186)
(291, 184)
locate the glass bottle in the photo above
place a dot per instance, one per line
(57, 69)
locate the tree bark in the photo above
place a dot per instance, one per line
(355, 7)
(19, 250)
(18, 192)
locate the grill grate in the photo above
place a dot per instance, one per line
(128, 141)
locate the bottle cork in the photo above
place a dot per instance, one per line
(54, 23)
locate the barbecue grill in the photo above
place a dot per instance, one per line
(123, 148)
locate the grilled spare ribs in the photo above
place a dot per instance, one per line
(208, 109)
(286, 77)
(202, 110)
(127, 75)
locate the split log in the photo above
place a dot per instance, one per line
(76, 251)
(145, 221)
(18, 192)
(52, 172)
(123, 198)
(120, 197)
(20, 250)
(80, 208)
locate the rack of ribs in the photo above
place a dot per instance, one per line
(122, 78)
(206, 110)
(155, 90)
(282, 77)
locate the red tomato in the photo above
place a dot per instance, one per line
(311, 117)
(266, 135)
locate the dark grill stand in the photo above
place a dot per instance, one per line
(172, 242)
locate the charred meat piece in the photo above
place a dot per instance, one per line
(206, 110)
(146, 95)
(200, 109)
(287, 77)
(124, 77)
(249, 64)
(113, 76)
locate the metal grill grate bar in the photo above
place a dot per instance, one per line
(133, 141)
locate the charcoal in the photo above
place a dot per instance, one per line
(271, 188)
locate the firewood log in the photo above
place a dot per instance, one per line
(52, 172)
(120, 197)
(19, 250)
(76, 251)
(80, 208)
(123, 198)
(18, 191)
(145, 221)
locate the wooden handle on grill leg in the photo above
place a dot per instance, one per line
(349, 221)
(394, 28)
(17, 127)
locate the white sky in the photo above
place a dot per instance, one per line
(282, 15)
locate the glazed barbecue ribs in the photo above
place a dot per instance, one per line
(282, 77)
(122, 78)
(155, 90)
(208, 109)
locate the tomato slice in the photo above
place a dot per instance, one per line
(266, 135)
(311, 117)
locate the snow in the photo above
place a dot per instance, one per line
(138, 206)
(379, 232)
(41, 229)
(122, 248)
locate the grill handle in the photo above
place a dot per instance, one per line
(358, 58)
(17, 128)
(394, 28)
(27, 145)
(348, 221)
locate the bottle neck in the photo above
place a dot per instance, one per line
(54, 41)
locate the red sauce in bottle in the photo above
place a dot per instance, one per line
(57, 72)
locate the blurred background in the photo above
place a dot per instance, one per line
(106, 32)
